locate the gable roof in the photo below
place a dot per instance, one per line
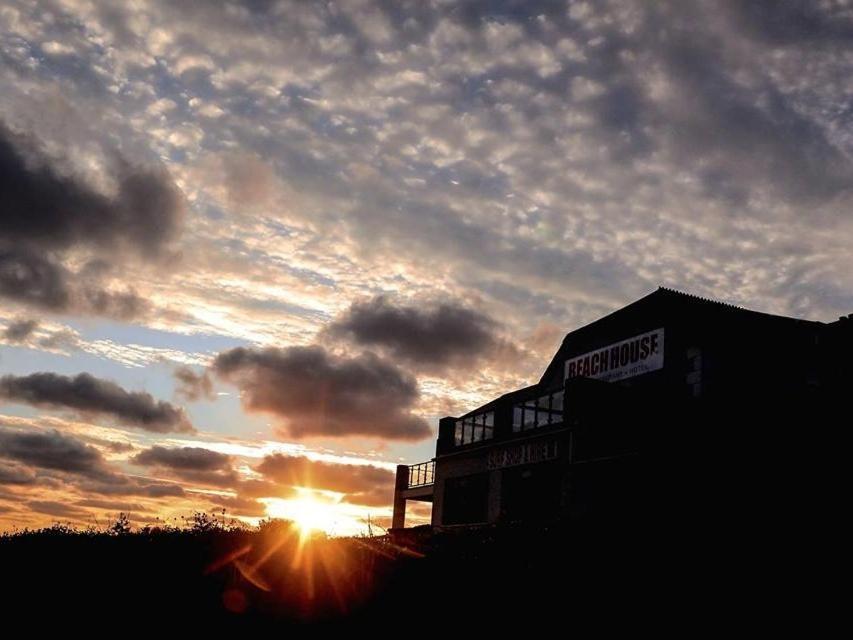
(670, 298)
(663, 296)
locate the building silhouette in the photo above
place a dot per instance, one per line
(674, 408)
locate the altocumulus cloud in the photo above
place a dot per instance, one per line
(321, 394)
(85, 393)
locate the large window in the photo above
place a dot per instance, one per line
(538, 412)
(476, 428)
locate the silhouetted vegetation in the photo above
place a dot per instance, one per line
(215, 571)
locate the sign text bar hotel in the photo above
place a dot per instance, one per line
(625, 359)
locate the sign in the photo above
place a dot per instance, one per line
(631, 357)
(526, 453)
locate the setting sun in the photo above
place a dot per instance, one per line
(311, 515)
(313, 511)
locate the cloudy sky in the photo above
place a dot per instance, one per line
(250, 252)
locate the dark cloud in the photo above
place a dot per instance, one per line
(194, 464)
(122, 485)
(52, 450)
(184, 458)
(47, 211)
(122, 305)
(58, 509)
(63, 339)
(240, 506)
(193, 386)
(112, 505)
(379, 496)
(111, 445)
(264, 489)
(16, 474)
(38, 279)
(161, 490)
(319, 394)
(433, 334)
(20, 330)
(363, 484)
(86, 394)
(46, 208)
(32, 278)
(802, 22)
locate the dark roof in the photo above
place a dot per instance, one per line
(670, 297)
(662, 295)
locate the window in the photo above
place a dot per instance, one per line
(557, 403)
(538, 412)
(475, 428)
(543, 411)
(478, 428)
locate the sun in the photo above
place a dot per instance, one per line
(312, 516)
(307, 512)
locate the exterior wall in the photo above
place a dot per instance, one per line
(494, 461)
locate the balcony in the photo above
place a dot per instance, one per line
(421, 475)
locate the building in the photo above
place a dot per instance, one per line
(671, 405)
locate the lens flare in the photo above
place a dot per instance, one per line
(312, 516)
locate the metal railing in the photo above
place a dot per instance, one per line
(421, 474)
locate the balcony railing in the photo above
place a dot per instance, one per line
(421, 475)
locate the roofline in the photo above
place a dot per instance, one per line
(728, 306)
(688, 297)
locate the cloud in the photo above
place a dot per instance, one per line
(16, 474)
(54, 211)
(433, 335)
(183, 458)
(194, 464)
(20, 330)
(240, 506)
(38, 279)
(49, 211)
(363, 484)
(85, 393)
(58, 509)
(320, 394)
(112, 505)
(52, 450)
(162, 490)
(29, 277)
(193, 386)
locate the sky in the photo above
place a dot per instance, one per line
(251, 252)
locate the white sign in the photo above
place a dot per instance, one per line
(631, 357)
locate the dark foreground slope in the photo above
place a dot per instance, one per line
(613, 573)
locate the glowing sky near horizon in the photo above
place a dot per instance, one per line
(251, 252)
